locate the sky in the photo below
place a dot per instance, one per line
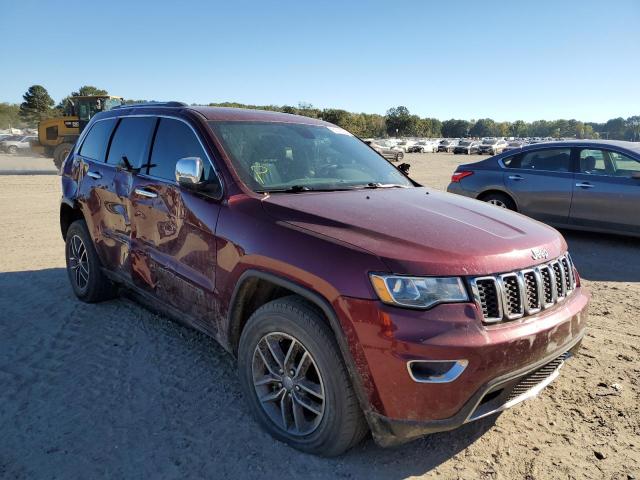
(444, 59)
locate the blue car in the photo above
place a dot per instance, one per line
(586, 185)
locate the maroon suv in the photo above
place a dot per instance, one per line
(354, 299)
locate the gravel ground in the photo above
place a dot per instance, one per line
(114, 391)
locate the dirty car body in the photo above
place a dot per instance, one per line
(499, 305)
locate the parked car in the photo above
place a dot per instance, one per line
(491, 146)
(352, 298)
(14, 144)
(405, 145)
(391, 153)
(466, 146)
(423, 146)
(447, 145)
(587, 185)
(513, 146)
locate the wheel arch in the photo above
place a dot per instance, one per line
(69, 213)
(238, 315)
(486, 193)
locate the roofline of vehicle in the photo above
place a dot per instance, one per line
(151, 105)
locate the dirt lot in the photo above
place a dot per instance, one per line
(111, 390)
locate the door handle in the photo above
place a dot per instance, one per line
(516, 177)
(146, 193)
(584, 185)
(95, 175)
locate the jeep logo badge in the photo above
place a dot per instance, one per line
(539, 253)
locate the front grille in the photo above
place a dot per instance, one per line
(488, 295)
(513, 304)
(532, 294)
(536, 377)
(516, 294)
(548, 286)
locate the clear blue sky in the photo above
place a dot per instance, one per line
(465, 59)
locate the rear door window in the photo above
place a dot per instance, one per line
(547, 160)
(131, 140)
(175, 140)
(95, 144)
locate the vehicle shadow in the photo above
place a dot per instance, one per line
(111, 389)
(604, 257)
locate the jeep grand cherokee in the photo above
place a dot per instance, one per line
(353, 298)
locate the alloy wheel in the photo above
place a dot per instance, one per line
(288, 384)
(497, 203)
(79, 262)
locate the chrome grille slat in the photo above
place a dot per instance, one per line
(513, 295)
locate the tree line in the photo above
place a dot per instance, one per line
(397, 122)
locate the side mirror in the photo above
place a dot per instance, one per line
(635, 175)
(189, 172)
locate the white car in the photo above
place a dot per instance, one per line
(424, 146)
(19, 142)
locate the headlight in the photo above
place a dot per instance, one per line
(418, 292)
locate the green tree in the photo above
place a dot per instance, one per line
(485, 127)
(615, 128)
(37, 105)
(456, 128)
(399, 121)
(633, 128)
(10, 116)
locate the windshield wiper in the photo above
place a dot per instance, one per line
(291, 189)
(383, 185)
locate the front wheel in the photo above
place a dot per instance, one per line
(84, 269)
(12, 149)
(295, 381)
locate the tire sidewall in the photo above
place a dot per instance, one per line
(264, 322)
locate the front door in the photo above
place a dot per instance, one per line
(541, 181)
(173, 238)
(606, 193)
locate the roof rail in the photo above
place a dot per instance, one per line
(151, 104)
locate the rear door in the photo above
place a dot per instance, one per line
(541, 182)
(103, 208)
(173, 241)
(606, 195)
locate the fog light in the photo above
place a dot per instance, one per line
(436, 371)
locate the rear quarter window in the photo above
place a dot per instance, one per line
(96, 141)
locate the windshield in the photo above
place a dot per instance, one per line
(489, 142)
(465, 144)
(279, 156)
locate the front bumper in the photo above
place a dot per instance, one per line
(499, 356)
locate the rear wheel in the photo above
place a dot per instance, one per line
(83, 266)
(12, 149)
(399, 156)
(500, 200)
(292, 374)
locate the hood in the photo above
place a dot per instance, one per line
(418, 231)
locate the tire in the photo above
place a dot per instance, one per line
(88, 281)
(12, 149)
(337, 423)
(60, 154)
(399, 156)
(500, 200)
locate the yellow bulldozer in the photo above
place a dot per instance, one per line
(56, 136)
